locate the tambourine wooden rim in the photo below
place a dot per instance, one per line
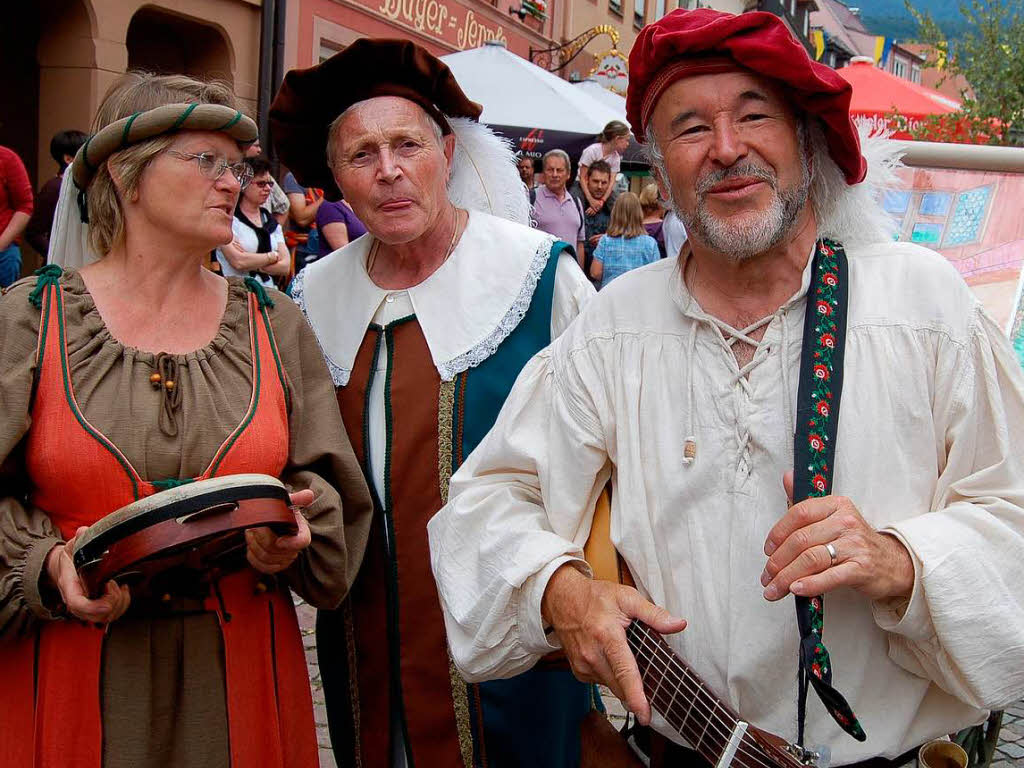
(173, 503)
(195, 509)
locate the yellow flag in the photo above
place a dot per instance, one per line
(818, 37)
(879, 47)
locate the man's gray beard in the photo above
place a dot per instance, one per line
(744, 241)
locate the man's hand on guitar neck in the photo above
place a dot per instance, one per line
(590, 618)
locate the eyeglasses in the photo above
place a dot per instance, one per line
(265, 184)
(212, 167)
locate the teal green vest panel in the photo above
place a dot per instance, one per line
(483, 389)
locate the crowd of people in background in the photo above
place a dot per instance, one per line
(281, 227)
(583, 212)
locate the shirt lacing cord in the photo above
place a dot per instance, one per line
(166, 380)
(732, 335)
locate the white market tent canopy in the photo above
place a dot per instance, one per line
(602, 94)
(534, 108)
(517, 93)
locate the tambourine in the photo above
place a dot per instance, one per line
(198, 527)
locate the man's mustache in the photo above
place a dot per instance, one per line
(747, 170)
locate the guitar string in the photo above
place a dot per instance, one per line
(743, 754)
(721, 729)
(711, 716)
(666, 655)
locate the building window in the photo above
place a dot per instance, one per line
(328, 48)
(659, 9)
(899, 67)
(807, 23)
(968, 216)
(615, 6)
(915, 73)
(832, 59)
(792, 8)
(638, 12)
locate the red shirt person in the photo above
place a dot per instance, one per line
(15, 212)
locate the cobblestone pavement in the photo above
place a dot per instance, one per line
(307, 625)
(1010, 752)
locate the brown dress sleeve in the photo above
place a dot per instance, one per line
(26, 533)
(320, 458)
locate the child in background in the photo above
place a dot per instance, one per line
(626, 245)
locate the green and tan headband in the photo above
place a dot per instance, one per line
(158, 121)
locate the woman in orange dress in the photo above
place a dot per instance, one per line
(131, 370)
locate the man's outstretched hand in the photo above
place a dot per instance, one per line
(590, 618)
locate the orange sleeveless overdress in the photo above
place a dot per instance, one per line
(50, 682)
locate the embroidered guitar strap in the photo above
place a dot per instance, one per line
(817, 419)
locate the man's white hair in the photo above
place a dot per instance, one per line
(850, 214)
(484, 175)
(556, 153)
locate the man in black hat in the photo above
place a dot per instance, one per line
(425, 323)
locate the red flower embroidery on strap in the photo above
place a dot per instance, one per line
(830, 279)
(822, 408)
(824, 308)
(816, 443)
(828, 340)
(821, 372)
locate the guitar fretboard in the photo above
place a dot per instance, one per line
(687, 704)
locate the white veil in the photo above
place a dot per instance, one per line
(69, 242)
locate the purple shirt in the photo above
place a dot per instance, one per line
(332, 213)
(562, 219)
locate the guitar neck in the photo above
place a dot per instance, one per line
(690, 707)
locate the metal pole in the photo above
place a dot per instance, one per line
(280, 24)
(266, 74)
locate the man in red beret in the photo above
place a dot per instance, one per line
(708, 390)
(425, 322)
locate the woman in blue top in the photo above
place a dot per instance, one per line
(626, 245)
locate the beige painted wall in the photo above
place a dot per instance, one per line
(84, 48)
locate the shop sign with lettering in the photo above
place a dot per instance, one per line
(447, 22)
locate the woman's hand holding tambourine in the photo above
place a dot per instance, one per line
(269, 553)
(106, 608)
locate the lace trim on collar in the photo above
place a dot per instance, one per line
(339, 375)
(473, 357)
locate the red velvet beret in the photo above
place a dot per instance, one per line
(310, 99)
(687, 43)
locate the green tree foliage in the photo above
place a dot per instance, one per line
(990, 56)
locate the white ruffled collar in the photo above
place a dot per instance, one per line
(465, 309)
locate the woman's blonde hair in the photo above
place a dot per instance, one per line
(649, 199)
(627, 217)
(136, 92)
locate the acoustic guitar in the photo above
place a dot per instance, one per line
(676, 692)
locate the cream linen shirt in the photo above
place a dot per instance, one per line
(932, 398)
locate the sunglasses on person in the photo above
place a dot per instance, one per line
(263, 184)
(212, 166)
